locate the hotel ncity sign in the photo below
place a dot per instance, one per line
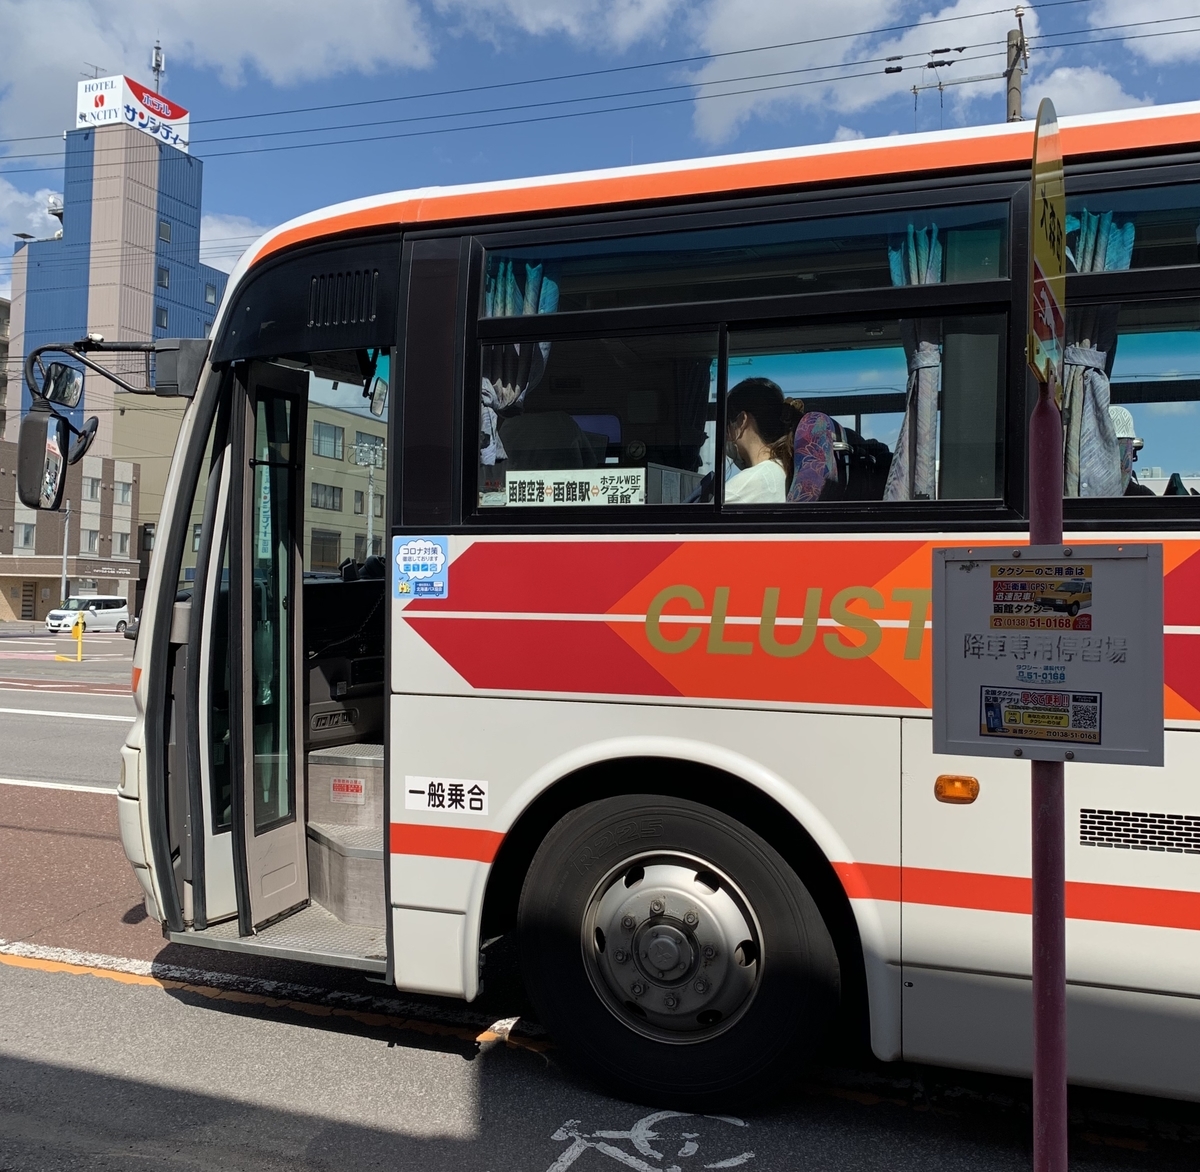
(116, 101)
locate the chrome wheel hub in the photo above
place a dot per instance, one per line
(672, 947)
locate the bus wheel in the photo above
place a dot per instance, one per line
(673, 954)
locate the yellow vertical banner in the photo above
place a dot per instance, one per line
(1047, 251)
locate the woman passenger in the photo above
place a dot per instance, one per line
(761, 424)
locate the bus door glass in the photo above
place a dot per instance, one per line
(265, 587)
(311, 586)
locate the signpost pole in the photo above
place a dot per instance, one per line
(1049, 837)
(1046, 344)
(1034, 696)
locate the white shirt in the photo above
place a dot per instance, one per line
(760, 484)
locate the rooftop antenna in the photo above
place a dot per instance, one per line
(158, 66)
(97, 71)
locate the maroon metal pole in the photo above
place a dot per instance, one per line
(1049, 837)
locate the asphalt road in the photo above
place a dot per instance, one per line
(58, 721)
(118, 1051)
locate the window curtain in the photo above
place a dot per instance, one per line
(512, 368)
(1091, 449)
(913, 472)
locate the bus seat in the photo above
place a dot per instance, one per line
(546, 440)
(815, 463)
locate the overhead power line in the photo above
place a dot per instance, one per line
(441, 116)
(1044, 40)
(614, 69)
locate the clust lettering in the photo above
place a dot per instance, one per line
(852, 633)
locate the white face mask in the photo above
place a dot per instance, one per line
(731, 454)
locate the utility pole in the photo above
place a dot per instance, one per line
(1016, 67)
(62, 592)
(370, 456)
(1018, 55)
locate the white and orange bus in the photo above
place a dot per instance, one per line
(553, 557)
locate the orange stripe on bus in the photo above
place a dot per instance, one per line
(444, 842)
(711, 179)
(1112, 903)
(869, 881)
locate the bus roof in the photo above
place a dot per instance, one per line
(1123, 131)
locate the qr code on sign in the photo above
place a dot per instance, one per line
(1085, 716)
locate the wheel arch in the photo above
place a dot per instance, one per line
(719, 787)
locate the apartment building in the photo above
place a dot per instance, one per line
(101, 526)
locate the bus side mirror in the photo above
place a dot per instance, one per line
(83, 440)
(42, 458)
(63, 385)
(379, 393)
(178, 364)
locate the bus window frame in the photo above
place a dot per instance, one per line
(170, 559)
(1003, 296)
(1182, 512)
(213, 527)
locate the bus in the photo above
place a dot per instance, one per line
(553, 557)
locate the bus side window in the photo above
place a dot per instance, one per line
(1131, 401)
(891, 410)
(598, 421)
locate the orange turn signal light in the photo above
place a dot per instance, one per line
(956, 788)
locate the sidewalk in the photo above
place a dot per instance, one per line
(19, 628)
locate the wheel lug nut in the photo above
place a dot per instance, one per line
(628, 922)
(709, 952)
(701, 986)
(656, 907)
(670, 1001)
(637, 988)
(620, 956)
(691, 919)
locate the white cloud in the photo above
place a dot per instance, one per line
(1174, 47)
(20, 211)
(45, 44)
(1080, 90)
(736, 24)
(618, 23)
(847, 134)
(223, 238)
(721, 26)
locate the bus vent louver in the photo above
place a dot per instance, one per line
(339, 299)
(1177, 834)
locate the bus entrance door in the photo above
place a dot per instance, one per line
(266, 587)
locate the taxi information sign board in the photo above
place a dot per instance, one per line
(1049, 653)
(1047, 251)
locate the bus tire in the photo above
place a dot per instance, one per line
(673, 954)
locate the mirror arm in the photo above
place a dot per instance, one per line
(78, 351)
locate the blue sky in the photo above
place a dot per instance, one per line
(227, 60)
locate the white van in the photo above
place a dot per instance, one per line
(101, 612)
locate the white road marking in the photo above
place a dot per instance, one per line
(68, 715)
(51, 688)
(77, 789)
(640, 1135)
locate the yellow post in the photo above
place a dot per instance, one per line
(77, 635)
